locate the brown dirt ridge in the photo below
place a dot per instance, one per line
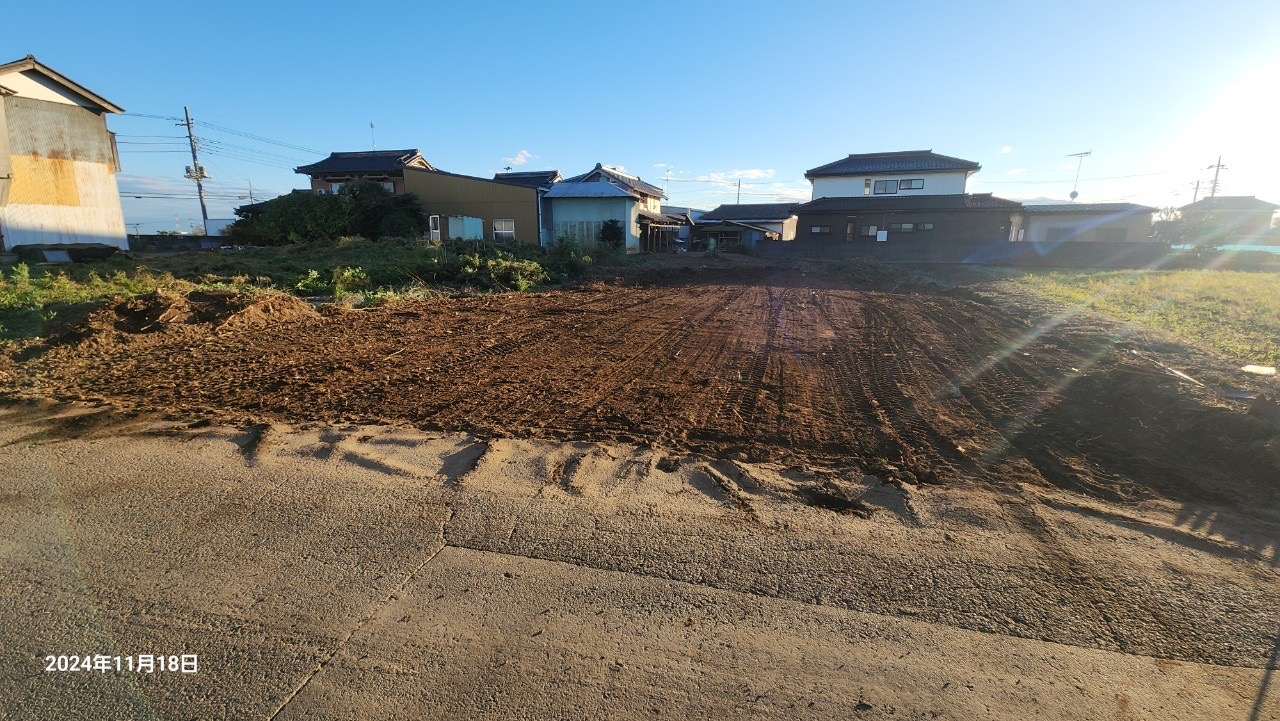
(912, 383)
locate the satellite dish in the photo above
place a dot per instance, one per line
(1074, 195)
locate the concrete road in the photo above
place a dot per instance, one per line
(360, 572)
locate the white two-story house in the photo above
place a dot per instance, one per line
(881, 197)
(909, 172)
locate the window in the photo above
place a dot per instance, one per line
(1057, 235)
(335, 188)
(849, 230)
(389, 186)
(504, 231)
(866, 187)
(869, 231)
(1112, 235)
(886, 187)
(902, 227)
(924, 226)
(917, 184)
(819, 229)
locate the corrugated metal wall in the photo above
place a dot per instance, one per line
(63, 186)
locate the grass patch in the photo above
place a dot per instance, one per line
(1233, 313)
(354, 271)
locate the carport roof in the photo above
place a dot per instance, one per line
(751, 211)
(1097, 208)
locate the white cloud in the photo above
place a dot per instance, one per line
(520, 158)
(732, 176)
(1015, 171)
(1006, 149)
(662, 165)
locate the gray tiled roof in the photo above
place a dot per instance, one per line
(1230, 202)
(533, 179)
(365, 161)
(968, 201)
(628, 181)
(751, 211)
(587, 190)
(906, 161)
(1098, 208)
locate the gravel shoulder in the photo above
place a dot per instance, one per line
(381, 571)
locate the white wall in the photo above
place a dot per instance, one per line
(33, 85)
(853, 186)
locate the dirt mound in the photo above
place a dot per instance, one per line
(166, 313)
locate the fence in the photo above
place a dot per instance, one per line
(1075, 254)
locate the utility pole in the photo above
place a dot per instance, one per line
(1196, 195)
(372, 140)
(196, 172)
(1216, 168)
(739, 201)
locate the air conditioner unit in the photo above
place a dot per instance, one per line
(321, 191)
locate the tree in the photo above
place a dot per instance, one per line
(1169, 213)
(362, 208)
(612, 234)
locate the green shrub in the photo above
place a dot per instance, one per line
(310, 283)
(347, 280)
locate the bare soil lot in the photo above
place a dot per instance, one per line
(816, 369)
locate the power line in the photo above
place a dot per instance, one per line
(259, 138)
(231, 146)
(154, 117)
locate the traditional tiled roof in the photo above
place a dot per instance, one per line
(907, 161)
(967, 201)
(751, 211)
(365, 162)
(1092, 208)
(587, 190)
(613, 175)
(30, 64)
(1230, 202)
(533, 179)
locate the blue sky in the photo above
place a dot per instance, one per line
(711, 92)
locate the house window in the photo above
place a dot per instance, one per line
(917, 184)
(886, 187)
(902, 227)
(869, 231)
(1058, 235)
(924, 226)
(504, 231)
(866, 187)
(849, 230)
(1112, 235)
(389, 186)
(335, 188)
(819, 229)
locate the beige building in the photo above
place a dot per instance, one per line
(58, 161)
(1088, 222)
(462, 206)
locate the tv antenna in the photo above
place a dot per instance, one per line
(1079, 164)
